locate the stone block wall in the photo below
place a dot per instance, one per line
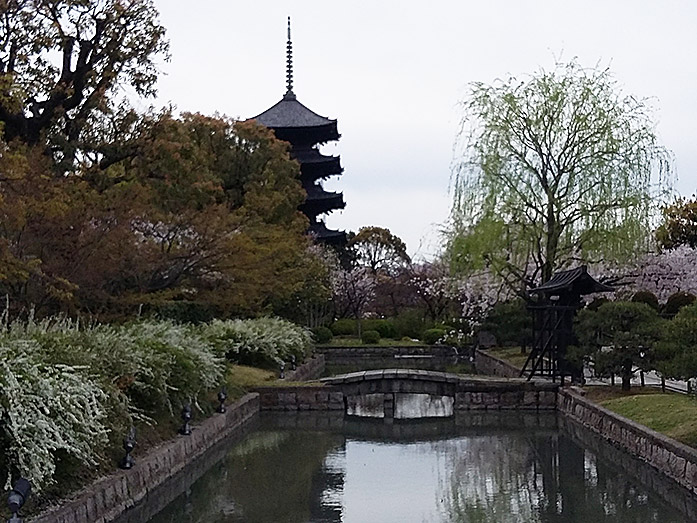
(487, 394)
(303, 398)
(674, 459)
(108, 497)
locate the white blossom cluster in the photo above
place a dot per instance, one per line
(663, 274)
(273, 338)
(46, 408)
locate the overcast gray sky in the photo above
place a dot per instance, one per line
(392, 74)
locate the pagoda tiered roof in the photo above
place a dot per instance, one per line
(293, 122)
(321, 232)
(319, 201)
(315, 165)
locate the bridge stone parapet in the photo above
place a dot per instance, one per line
(469, 392)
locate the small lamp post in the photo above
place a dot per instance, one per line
(129, 443)
(222, 396)
(185, 429)
(17, 497)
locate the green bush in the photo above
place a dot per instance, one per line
(597, 303)
(64, 387)
(185, 311)
(344, 327)
(322, 334)
(431, 336)
(370, 337)
(47, 410)
(385, 327)
(511, 322)
(676, 302)
(649, 298)
(411, 323)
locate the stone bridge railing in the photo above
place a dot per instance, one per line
(387, 387)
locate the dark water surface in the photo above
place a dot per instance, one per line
(474, 468)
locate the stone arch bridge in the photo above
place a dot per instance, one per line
(389, 392)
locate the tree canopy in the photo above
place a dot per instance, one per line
(379, 250)
(61, 62)
(679, 226)
(204, 211)
(556, 168)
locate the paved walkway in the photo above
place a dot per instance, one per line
(651, 379)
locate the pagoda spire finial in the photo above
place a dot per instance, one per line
(289, 63)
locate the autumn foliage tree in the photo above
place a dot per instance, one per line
(204, 210)
(63, 61)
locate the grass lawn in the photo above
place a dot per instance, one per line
(674, 415)
(510, 354)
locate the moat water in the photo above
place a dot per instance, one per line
(475, 468)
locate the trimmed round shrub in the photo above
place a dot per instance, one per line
(370, 337)
(649, 298)
(385, 327)
(344, 327)
(322, 334)
(431, 336)
(677, 301)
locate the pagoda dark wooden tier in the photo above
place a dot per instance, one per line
(314, 165)
(319, 201)
(329, 236)
(304, 129)
(295, 123)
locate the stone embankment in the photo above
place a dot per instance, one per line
(310, 370)
(675, 460)
(107, 498)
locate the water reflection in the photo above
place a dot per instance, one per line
(476, 470)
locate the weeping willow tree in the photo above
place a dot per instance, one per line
(556, 169)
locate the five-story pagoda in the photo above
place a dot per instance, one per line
(305, 130)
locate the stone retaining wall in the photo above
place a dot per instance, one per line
(675, 460)
(435, 357)
(109, 497)
(492, 366)
(309, 370)
(318, 397)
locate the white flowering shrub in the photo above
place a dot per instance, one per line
(64, 387)
(260, 341)
(44, 409)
